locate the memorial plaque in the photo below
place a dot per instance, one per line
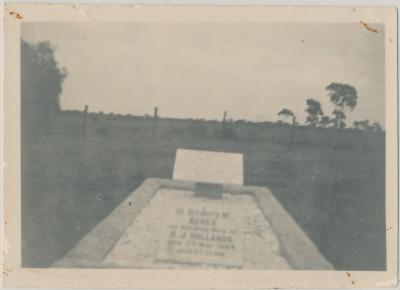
(199, 233)
(208, 166)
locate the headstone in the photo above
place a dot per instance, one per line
(208, 167)
(199, 233)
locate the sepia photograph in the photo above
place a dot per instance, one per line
(212, 145)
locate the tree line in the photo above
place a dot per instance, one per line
(42, 79)
(343, 97)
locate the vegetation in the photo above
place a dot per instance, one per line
(342, 96)
(324, 121)
(314, 112)
(365, 126)
(332, 184)
(289, 113)
(41, 85)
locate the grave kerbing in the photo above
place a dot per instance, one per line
(191, 231)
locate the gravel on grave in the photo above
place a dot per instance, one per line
(138, 245)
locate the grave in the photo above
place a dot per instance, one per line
(198, 232)
(203, 218)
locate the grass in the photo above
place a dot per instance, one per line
(331, 182)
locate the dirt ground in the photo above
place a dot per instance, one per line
(331, 182)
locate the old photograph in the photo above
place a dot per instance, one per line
(203, 145)
(112, 111)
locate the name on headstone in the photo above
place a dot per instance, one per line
(208, 166)
(202, 234)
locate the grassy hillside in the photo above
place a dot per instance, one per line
(332, 182)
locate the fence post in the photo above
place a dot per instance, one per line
(292, 131)
(84, 121)
(222, 129)
(155, 121)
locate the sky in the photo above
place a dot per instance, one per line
(199, 70)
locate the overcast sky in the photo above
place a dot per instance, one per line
(198, 70)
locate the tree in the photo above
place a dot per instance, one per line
(41, 86)
(356, 125)
(314, 111)
(377, 127)
(365, 126)
(342, 96)
(288, 113)
(324, 121)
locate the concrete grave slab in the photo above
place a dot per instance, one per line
(199, 232)
(112, 234)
